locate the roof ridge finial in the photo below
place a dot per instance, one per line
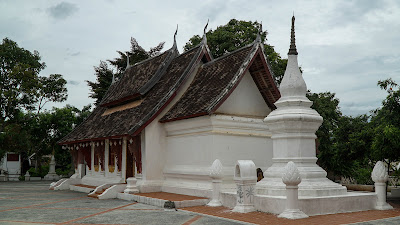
(127, 63)
(204, 32)
(113, 78)
(258, 38)
(176, 32)
(292, 49)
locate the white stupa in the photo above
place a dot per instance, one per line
(293, 125)
(52, 175)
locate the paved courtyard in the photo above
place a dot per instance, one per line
(31, 203)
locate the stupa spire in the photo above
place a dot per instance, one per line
(292, 49)
(292, 85)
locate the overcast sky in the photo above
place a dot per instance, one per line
(344, 47)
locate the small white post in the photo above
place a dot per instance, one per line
(216, 176)
(291, 178)
(131, 186)
(246, 179)
(379, 176)
(27, 176)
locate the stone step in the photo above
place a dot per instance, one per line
(159, 199)
(82, 188)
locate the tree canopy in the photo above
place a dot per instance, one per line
(23, 94)
(236, 34)
(21, 87)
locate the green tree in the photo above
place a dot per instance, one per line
(22, 90)
(236, 34)
(352, 141)
(19, 71)
(48, 127)
(50, 89)
(21, 87)
(16, 136)
(105, 73)
(327, 105)
(344, 142)
(386, 123)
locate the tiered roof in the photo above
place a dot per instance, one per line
(146, 88)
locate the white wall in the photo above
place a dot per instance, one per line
(154, 140)
(245, 100)
(12, 167)
(193, 145)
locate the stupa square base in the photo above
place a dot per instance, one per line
(350, 202)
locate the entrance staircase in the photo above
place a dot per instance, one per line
(160, 198)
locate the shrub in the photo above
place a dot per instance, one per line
(363, 176)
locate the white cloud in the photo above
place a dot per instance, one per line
(62, 10)
(344, 46)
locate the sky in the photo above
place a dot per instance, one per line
(344, 46)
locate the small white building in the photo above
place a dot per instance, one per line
(11, 164)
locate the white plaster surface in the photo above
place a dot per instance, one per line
(351, 202)
(193, 144)
(12, 167)
(245, 100)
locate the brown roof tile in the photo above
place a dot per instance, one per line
(134, 79)
(215, 81)
(131, 120)
(211, 82)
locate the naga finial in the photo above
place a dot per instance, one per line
(258, 38)
(127, 63)
(176, 32)
(204, 32)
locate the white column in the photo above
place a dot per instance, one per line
(216, 176)
(123, 164)
(143, 151)
(291, 178)
(92, 158)
(106, 153)
(379, 176)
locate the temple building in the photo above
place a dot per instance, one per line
(169, 117)
(189, 124)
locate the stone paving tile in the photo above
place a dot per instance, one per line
(44, 215)
(87, 202)
(13, 203)
(32, 203)
(20, 223)
(140, 206)
(389, 221)
(142, 217)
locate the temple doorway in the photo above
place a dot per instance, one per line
(130, 165)
(134, 157)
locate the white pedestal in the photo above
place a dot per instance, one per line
(131, 186)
